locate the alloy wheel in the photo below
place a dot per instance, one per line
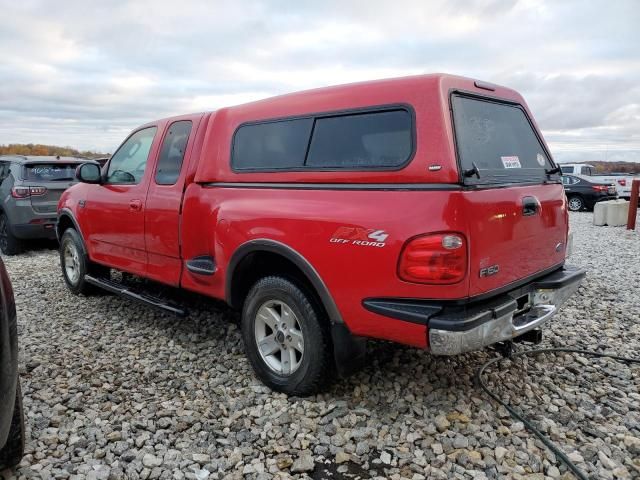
(575, 204)
(71, 262)
(279, 337)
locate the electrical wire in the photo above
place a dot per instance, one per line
(528, 423)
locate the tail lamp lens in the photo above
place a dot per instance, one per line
(600, 188)
(26, 192)
(439, 258)
(20, 192)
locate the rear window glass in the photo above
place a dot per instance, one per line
(272, 145)
(43, 172)
(380, 139)
(498, 139)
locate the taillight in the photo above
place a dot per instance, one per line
(439, 258)
(26, 192)
(20, 192)
(622, 182)
(600, 188)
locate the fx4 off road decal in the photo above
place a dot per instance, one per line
(359, 236)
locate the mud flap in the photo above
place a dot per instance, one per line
(349, 352)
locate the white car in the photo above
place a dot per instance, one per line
(621, 182)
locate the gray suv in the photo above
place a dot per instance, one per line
(29, 191)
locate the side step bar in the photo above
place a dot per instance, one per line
(123, 291)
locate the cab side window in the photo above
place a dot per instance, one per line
(172, 152)
(128, 164)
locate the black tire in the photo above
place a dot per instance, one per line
(71, 240)
(13, 450)
(315, 364)
(576, 203)
(9, 243)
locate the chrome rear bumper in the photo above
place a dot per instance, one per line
(520, 311)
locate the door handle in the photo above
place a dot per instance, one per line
(530, 206)
(135, 205)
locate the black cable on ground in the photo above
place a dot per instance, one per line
(527, 423)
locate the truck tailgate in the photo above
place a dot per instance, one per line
(514, 233)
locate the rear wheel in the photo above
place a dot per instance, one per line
(75, 264)
(13, 450)
(576, 204)
(9, 244)
(286, 338)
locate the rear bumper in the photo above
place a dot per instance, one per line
(458, 328)
(27, 231)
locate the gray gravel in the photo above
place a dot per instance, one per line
(116, 390)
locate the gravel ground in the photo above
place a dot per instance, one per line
(117, 390)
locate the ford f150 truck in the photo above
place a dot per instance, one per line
(424, 210)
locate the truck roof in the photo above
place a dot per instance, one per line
(305, 100)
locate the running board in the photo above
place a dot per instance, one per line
(123, 291)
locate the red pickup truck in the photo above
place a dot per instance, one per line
(425, 210)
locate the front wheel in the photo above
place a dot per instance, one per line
(576, 204)
(286, 337)
(75, 263)
(13, 450)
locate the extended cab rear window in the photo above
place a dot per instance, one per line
(354, 141)
(46, 172)
(499, 141)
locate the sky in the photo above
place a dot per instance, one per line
(83, 73)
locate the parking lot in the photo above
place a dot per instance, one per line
(117, 390)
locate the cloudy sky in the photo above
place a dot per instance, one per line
(82, 73)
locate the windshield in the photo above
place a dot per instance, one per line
(47, 172)
(498, 140)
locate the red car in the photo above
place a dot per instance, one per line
(12, 431)
(424, 210)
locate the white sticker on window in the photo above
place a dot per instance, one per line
(540, 158)
(511, 162)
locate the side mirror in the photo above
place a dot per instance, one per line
(88, 173)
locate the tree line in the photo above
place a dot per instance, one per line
(616, 167)
(48, 150)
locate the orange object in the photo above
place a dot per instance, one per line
(633, 207)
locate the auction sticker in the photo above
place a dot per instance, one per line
(541, 160)
(511, 162)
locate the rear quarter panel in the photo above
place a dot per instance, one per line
(307, 221)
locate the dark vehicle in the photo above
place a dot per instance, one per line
(30, 188)
(583, 194)
(11, 414)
